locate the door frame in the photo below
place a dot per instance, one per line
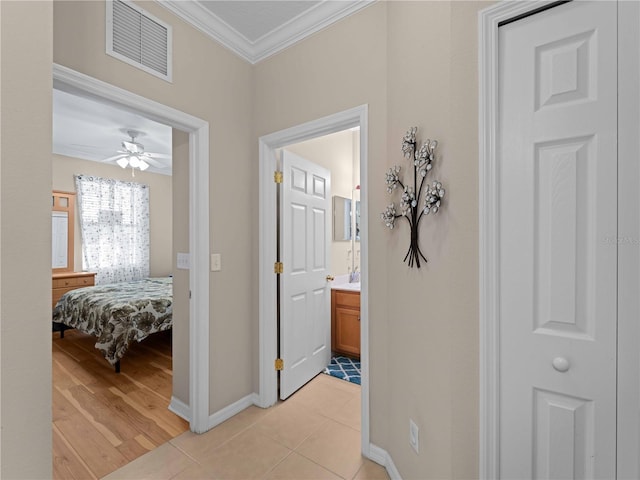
(628, 239)
(71, 81)
(489, 20)
(268, 334)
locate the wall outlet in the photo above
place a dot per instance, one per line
(216, 262)
(414, 436)
(184, 261)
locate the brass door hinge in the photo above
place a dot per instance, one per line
(277, 177)
(279, 364)
(278, 267)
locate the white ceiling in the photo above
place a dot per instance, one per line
(87, 129)
(255, 19)
(254, 30)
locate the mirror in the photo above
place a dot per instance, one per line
(59, 239)
(62, 224)
(341, 219)
(342, 215)
(357, 220)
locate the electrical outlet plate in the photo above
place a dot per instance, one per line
(414, 436)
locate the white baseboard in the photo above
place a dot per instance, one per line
(230, 410)
(381, 456)
(180, 408)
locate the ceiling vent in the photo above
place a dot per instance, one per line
(138, 38)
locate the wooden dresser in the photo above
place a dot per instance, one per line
(66, 281)
(345, 322)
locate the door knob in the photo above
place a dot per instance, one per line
(330, 278)
(561, 364)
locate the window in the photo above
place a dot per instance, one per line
(114, 222)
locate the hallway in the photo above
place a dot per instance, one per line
(315, 434)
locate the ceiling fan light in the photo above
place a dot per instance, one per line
(123, 162)
(143, 165)
(134, 161)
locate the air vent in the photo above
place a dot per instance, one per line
(138, 38)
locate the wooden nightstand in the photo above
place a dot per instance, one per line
(67, 281)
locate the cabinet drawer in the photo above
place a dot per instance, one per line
(59, 292)
(347, 299)
(86, 281)
(63, 284)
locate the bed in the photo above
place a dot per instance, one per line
(117, 314)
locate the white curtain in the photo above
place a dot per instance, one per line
(114, 220)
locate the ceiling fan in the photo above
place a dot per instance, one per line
(134, 156)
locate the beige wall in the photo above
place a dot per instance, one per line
(211, 83)
(434, 328)
(340, 68)
(160, 216)
(25, 240)
(414, 63)
(335, 152)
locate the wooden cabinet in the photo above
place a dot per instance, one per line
(66, 281)
(345, 322)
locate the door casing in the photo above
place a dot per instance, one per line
(354, 117)
(629, 198)
(197, 412)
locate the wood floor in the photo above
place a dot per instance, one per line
(103, 420)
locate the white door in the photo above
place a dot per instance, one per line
(558, 224)
(305, 293)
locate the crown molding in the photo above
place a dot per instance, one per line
(295, 30)
(209, 24)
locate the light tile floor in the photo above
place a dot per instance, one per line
(315, 434)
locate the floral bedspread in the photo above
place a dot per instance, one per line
(119, 313)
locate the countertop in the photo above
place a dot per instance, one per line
(341, 282)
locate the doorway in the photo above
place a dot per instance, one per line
(65, 79)
(356, 117)
(319, 249)
(556, 313)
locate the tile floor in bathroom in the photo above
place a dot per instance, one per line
(315, 434)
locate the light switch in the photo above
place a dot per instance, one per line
(414, 436)
(184, 261)
(216, 262)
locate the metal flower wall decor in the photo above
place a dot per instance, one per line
(411, 207)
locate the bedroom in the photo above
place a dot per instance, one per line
(135, 401)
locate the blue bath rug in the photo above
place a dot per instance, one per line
(345, 369)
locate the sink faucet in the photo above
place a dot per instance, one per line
(354, 277)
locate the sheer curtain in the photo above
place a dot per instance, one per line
(114, 220)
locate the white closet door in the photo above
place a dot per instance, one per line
(558, 254)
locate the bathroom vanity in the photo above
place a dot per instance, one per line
(345, 319)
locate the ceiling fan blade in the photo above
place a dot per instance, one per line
(85, 147)
(155, 163)
(115, 157)
(157, 155)
(132, 147)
